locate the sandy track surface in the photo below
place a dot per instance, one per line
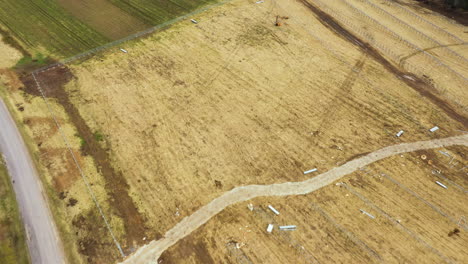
(42, 238)
(151, 252)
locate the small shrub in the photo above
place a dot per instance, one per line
(98, 136)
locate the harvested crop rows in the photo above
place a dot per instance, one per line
(196, 110)
(65, 28)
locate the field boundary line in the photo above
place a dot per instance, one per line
(82, 174)
(149, 253)
(130, 37)
(394, 221)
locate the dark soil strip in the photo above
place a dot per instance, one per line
(8, 39)
(355, 156)
(423, 88)
(52, 81)
(427, 49)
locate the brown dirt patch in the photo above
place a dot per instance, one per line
(60, 162)
(52, 82)
(190, 247)
(12, 81)
(47, 124)
(424, 88)
(91, 242)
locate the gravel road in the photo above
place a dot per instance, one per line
(42, 237)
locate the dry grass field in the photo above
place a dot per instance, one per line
(198, 109)
(331, 228)
(8, 54)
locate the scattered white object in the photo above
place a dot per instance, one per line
(124, 51)
(144, 238)
(269, 228)
(288, 227)
(366, 213)
(408, 77)
(310, 171)
(194, 21)
(462, 221)
(273, 209)
(441, 184)
(400, 133)
(434, 129)
(444, 153)
(259, 2)
(250, 206)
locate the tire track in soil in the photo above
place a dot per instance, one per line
(343, 94)
(116, 185)
(419, 85)
(151, 252)
(402, 60)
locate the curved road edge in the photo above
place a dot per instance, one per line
(150, 253)
(41, 233)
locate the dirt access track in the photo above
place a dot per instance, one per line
(151, 252)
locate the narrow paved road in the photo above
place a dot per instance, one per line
(42, 238)
(151, 252)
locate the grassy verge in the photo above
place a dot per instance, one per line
(54, 202)
(13, 247)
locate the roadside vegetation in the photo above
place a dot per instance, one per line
(13, 249)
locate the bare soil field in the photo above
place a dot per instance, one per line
(331, 227)
(198, 109)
